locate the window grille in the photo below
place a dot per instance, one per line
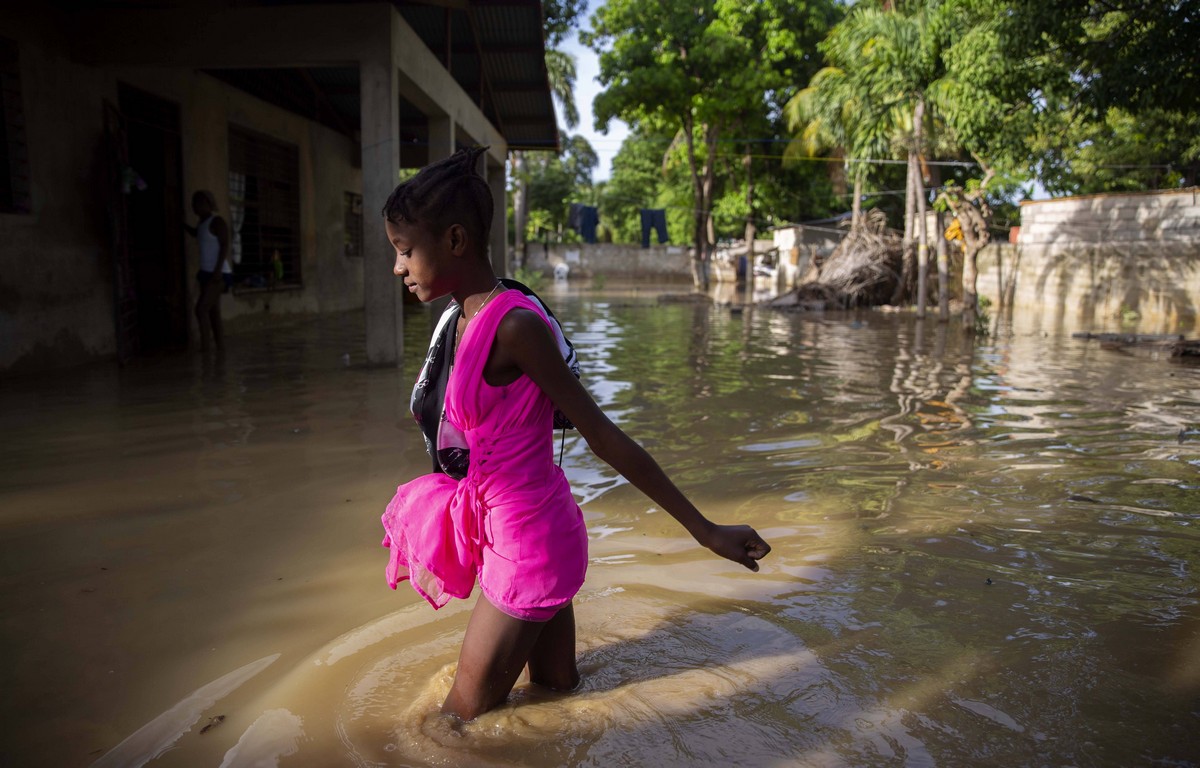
(353, 224)
(264, 178)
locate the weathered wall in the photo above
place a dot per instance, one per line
(1092, 261)
(56, 274)
(55, 270)
(815, 240)
(586, 260)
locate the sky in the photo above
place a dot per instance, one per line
(586, 88)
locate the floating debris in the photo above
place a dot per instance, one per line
(862, 271)
(213, 722)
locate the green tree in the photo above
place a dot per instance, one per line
(1096, 96)
(647, 173)
(1139, 55)
(552, 182)
(883, 64)
(684, 65)
(559, 17)
(833, 114)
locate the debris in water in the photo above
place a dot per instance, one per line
(863, 270)
(213, 722)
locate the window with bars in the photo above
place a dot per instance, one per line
(14, 153)
(353, 224)
(264, 191)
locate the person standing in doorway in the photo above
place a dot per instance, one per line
(216, 272)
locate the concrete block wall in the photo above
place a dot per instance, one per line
(1096, 261)
(586, 260)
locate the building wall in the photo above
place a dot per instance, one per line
(332, 281)
(613, 260)
(56, 267)
(1096, 261)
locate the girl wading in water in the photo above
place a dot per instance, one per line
(506, 518)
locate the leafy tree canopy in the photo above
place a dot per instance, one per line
(1134, 54)
(553, 182)
(559, 17)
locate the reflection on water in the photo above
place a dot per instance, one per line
(984, 554)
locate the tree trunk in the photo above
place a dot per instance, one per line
(941, 249)
(907, 251)
(970, 287)
(922, 224)
(711, 133)
(974, 223)
(699, 237)
(943, 264)
(520, 208)
(856, 204)
(751, 233)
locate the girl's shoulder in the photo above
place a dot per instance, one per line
(516, 310)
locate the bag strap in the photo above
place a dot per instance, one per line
(428, 401)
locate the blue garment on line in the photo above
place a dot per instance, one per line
(584, 220)
(656, 219)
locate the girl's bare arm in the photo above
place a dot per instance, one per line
(525, 345)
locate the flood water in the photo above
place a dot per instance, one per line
(985, 553)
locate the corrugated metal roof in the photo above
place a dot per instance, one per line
(506, 37)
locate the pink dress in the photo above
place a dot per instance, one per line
(511, 523)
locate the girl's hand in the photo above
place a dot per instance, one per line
(739, 543)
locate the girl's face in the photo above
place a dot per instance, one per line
(424, 261)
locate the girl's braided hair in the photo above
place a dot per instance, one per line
(447, 192)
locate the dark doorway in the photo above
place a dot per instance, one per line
(155, 210)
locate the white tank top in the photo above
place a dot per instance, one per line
(210, 248)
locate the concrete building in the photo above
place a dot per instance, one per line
(298, 117)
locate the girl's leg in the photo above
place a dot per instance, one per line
(496, 649)
(209, 294)
(552, 662)
(214, 320)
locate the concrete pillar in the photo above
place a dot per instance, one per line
(441, 137)
(497, 182)
(380, 111)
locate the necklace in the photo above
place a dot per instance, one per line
(465, 319)
(486, 299)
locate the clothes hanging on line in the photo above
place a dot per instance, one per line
(584, 220)
(656, 219)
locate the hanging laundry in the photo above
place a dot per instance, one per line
(656, 219)
(584, 219)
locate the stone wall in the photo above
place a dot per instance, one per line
(586, 260)
(1099, 260)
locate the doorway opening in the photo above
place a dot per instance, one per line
(154, 205)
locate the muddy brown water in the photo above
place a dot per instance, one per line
(984, 554)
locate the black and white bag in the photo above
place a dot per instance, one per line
(447, 446)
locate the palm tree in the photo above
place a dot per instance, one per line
(560, 68)
(885, 63)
